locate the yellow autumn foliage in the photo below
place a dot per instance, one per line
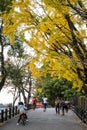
(49, 35)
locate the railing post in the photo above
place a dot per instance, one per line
(2, 116)
(16, 112)
(9, 113)
(13, 111)
(6, 111)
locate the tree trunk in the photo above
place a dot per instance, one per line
(2, 66)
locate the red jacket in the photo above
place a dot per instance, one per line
(34, 100)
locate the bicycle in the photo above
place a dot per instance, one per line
(23, 119)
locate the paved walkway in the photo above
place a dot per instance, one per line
(49, 120)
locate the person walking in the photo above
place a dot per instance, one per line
(63, 105)
(34, 101)
(45, 103)
(57, 105)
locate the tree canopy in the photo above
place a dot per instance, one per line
(56, 30)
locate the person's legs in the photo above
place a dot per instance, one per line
(44, 107)
(19, 120)
(26, 117)
(66, 107)
(63, 110)
(34, 106)
(56, 108)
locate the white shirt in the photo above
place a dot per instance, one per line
(45, 100)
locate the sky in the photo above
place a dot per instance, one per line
(5, 97)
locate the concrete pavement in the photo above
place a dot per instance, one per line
(49, 120)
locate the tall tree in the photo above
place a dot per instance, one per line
(56, 33)
(19, 75)
(4, 6)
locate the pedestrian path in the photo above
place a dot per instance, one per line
(49, 120)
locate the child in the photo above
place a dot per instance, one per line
(22, 110)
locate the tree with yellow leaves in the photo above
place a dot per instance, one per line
(69, 38)
(4, 41)
(57, 34)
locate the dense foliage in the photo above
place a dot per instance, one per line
(56, 30)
